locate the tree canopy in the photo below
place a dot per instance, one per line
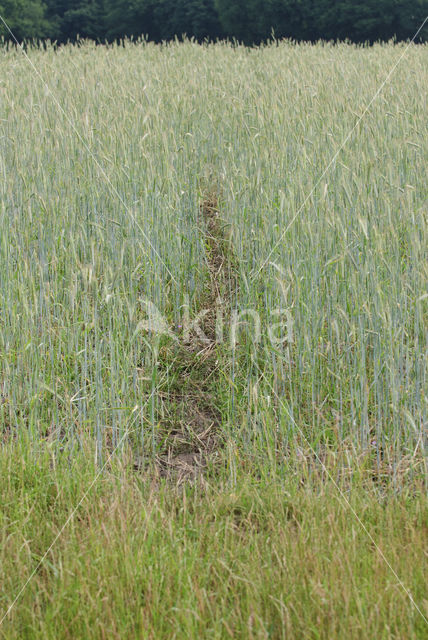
(248, 21)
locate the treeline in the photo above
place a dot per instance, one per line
(249, 21)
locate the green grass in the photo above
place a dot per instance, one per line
(253, 559)
(263, 545)
(344, 253)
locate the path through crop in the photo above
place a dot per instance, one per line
(191, 423)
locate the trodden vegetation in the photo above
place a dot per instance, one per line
(213, 312)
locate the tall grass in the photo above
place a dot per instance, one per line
(263, 124)
(263, 560)
(344, 252)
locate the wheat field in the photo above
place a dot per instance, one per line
(279, 194)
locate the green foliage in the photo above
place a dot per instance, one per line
(244, 20)
(368, 20)
(133, 18)
(249, 21)
(360, 21)
(83, 18)
(194, 18)
(25, 18)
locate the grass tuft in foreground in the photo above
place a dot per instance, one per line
(258, 559)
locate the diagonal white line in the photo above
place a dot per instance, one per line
(75, 130)
(294, 218)
(82, 499)
(343, 496)
(343, 143)
(115, 191)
